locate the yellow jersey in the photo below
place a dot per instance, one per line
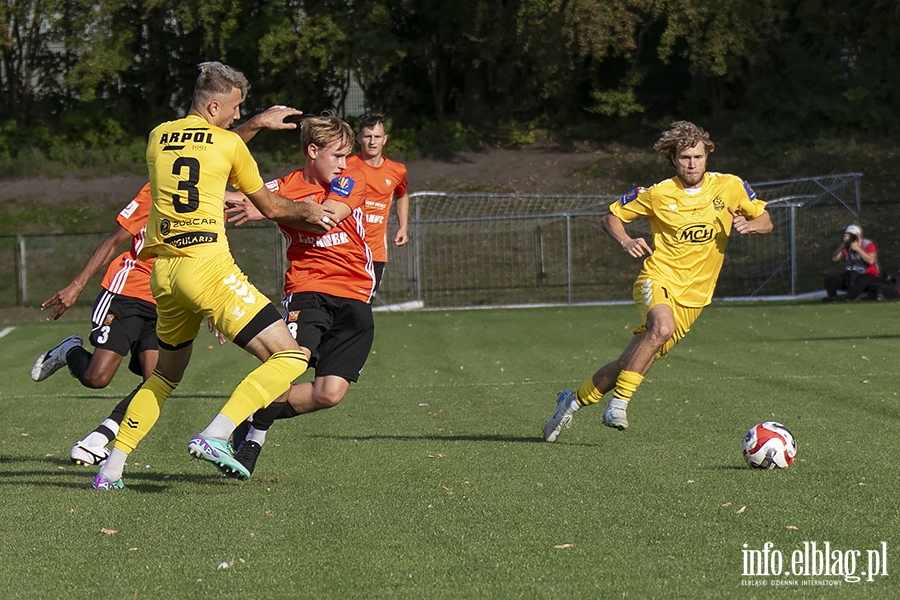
(690, 230)
(190, 162)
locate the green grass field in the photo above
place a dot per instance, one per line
(430, 480)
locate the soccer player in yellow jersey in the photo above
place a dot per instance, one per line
(190, 161)
(691, 216)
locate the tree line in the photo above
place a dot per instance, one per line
(99, 72)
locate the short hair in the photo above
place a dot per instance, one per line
(372, 120)
(325, 130)
(681, 135)
(216, 79)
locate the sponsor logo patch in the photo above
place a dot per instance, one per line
(129, 210)
(698, 233)
(630, 195)
(191, 239)
(342, 186)
(750, 193)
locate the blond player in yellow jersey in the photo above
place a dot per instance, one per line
(691, 217)
(190, 161)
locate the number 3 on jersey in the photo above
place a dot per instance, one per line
(189, 185)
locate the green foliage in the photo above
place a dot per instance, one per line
(89, 71)
(434, 140)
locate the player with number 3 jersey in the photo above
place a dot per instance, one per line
(190, 162)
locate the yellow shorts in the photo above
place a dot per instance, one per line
(650, 291)
(189, 290)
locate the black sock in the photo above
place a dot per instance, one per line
(287, 412)
(105, 432)
(264, 417)
(118, 413)
(78, 359)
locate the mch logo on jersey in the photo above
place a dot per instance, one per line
(698, 233)
(718, 203)
(342, 186)
(109, 319)
(293, 315)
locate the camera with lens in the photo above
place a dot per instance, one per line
(851, 237)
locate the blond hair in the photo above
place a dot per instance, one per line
(216, 80)
(325, 130)
(681, 135)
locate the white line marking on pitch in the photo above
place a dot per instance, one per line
(6, 331)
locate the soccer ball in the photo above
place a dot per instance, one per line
(769, 445)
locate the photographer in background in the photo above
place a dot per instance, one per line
(861, 272)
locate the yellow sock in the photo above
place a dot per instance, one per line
(143, 411)
(587, 394)
(626, 384)
(265, 383)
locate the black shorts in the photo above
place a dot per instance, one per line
(122, 324)
(338, 331)
(379, 273)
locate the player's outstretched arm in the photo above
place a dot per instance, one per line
(305, 215)
(760, 224)
(402, 207)
(635, 247)
(63, 300)
(271, 118)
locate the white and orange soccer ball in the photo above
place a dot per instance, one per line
(769, 445)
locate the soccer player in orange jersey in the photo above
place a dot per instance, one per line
(328, 285)
(385, 183)
(123, 319)
(691, 216)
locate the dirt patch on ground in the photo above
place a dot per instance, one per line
(531, 171)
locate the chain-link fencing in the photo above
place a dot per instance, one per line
(477, 250)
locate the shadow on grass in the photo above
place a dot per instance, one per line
(137, 481)
(449, 438)
(726, 468)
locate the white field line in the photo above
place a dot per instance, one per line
(6, 331)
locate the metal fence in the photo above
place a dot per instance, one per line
(477, 250)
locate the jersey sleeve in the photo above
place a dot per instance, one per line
(634, 203)
(400, 190)
(245, 175)
(349, 188)
(749, 206)
(133, 217)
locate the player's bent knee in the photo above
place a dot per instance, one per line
(661, 332)
(328, 400)
(96, 381)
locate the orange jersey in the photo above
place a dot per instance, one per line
(126, 275)
(382, 185)
(338, 263)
